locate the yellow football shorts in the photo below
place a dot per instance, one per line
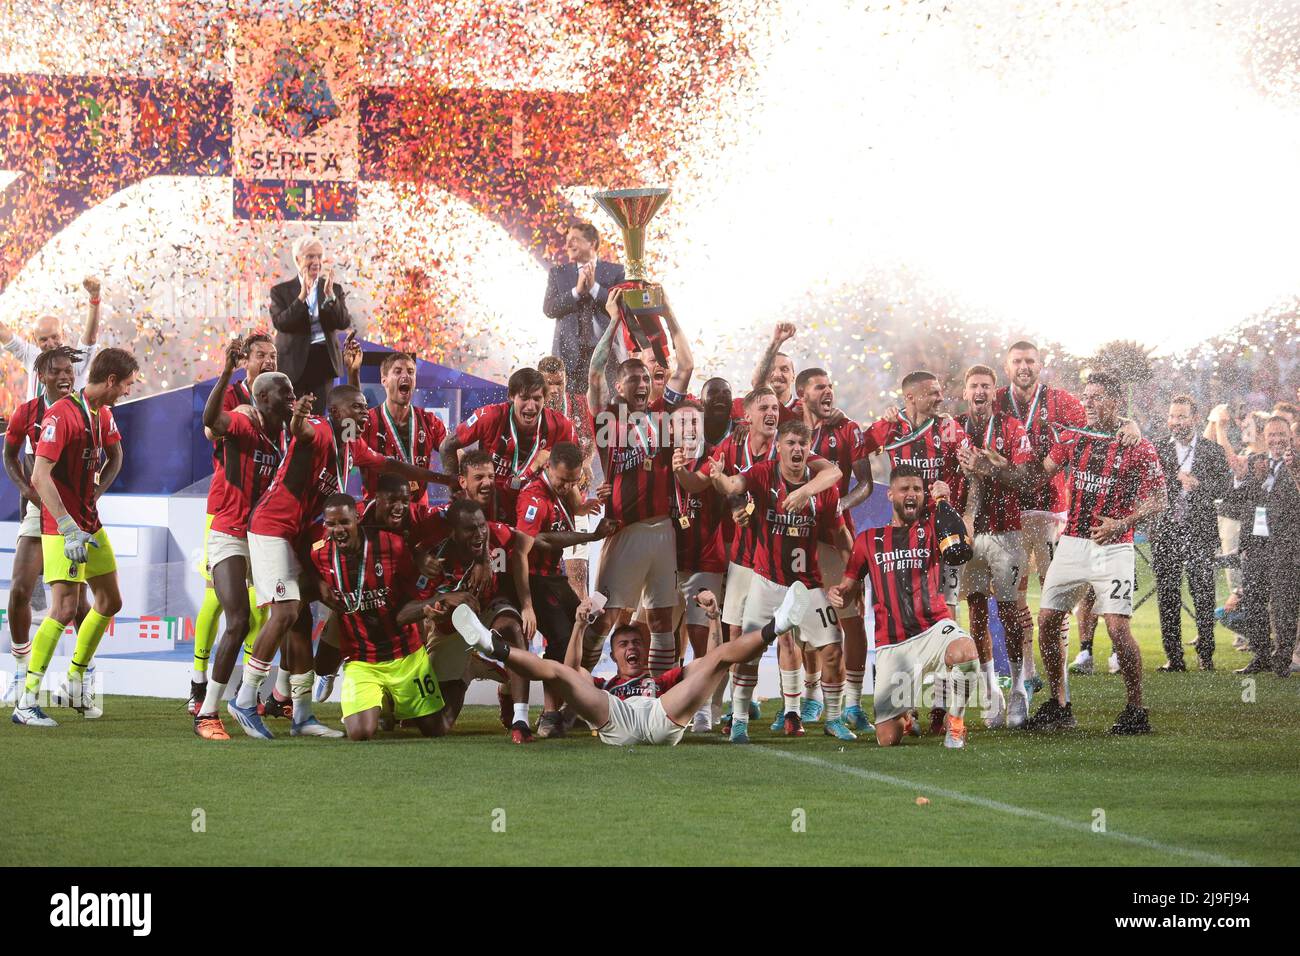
(59, 568)
(409, 681)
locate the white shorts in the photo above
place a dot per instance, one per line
(640, 558)
(901, 668)
(639, 720)
(30, 526)
(1040, 530)
(737, 588)
(275, 569)
(689, 585)
(995, 569)
(1080, 562)
(448, 656)
(832, 568)
(220, 546)
(579, 552)
(819, 627)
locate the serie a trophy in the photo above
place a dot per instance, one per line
(642, 306)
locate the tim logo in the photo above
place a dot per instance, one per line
(76, 909)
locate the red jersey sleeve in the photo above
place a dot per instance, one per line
(668, 680)
(54, 435)
(502, 536)
(108, 427)
(241, 427)
(533, 512)
(320, 559)
(759, 477)
(19, 425)
(1069, 410)
(478, 426)
(1063, 447)
(566, 431)
(829, 520)
(1150, 475)
(363, 456)
(405, 574)
(857, 567)
(874, 438)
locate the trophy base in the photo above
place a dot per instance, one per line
(642, 308)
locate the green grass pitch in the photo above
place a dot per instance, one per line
(137, 787)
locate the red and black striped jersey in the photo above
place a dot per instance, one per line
(74, 439)
(1106, 480)
(434, 534)
(246, 462)
(903, 563)
(371, 584)
(514, 450)
(1043, 417)
(236, 394)
(540, 511)
(787, 543)
(844, 445)
(644, 685)
(637, 459)
(738, 454)
(414, 441)
(313, 469)
(700, 543)
(25, 425)
(1000, 508)
(931, 447)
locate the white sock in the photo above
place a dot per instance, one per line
(812, 687)
(21, 652)
(521, 713)
(283, 682)
(300, 692)
(663, 653)
(853, 689)
(742, 692)
(1084, 654)
(990, 675)
(834, 696)
(1018, 680)
(198, 677)
(790, 691)
(255, 672)
(212, 699)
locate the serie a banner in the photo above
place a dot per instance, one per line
(296, 115)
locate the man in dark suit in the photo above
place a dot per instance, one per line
(575, 298)
(1266, 498)
(307, 311)
(1185, 536)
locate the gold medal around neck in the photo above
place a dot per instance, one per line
(649, 464)
(749, 507)
(684, 522)
(792, 532)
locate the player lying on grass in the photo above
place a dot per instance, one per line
(634, 707)
(915, 631)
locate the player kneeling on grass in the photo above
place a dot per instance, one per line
(629, 708)
(367, 575)
(915, 632)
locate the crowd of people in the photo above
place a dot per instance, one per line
(724, 525)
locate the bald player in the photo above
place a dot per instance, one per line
(47, 333)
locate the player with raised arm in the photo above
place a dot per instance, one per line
(916, 634)
(320, 457)
(54, 371)
(47, 333)
(776, 371)
(398, 428)
(795, 507)
(483, 564)
(987, 491)
(367, 577)
(257, 355)
(248, 454)
(638, 563)
(839, 440)
(637, 706)
(517, 433)
(1113, 487)
(548, 507)
(77, 458)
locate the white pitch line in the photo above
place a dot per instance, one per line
(1007, 808)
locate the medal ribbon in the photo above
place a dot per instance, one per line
(1033, 405)
(345, 456)
(910, 436)
(94, 424)
(352, 602)
(516, 471)
(404, 451)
